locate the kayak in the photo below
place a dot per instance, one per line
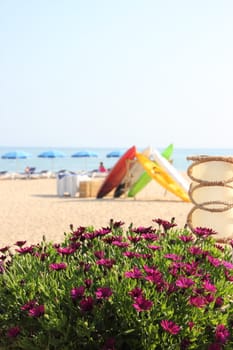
(145, 178)
(134, 172)
(163, 178)
(117, 173)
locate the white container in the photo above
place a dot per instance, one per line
(67, 185)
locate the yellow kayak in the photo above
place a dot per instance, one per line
(165, 180)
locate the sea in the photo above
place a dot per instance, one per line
(70, 163)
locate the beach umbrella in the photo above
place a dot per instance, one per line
(52, 154)
(115, 154)
(85, 154)
(16, 155)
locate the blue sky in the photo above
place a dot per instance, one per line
(112, 73)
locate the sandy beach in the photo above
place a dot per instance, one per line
(31, 208)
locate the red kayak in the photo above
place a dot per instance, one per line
(117, 173)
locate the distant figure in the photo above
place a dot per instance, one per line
(27, 170)
(102, 168)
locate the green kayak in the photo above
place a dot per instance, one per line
(144, 179)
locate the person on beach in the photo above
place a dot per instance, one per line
(27, 170)
(102, 168)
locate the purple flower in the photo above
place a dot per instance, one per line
(218, 302)
(198, 301)
(191, 324)
(219, 247)
(86, 266)
(153, 275)
(154, 247)
(66, 250)
(173, 257)
(103, 231)
(25, 250)
(145, 256)
(116, 224)
(29, 305)
(195, 250)
(209, 287)
(4, 249)
(99, 254)
(136, 292)
(87, 304)
(221, 334)
(37, 311)
(184, 282)
(20, 243)
(142, 230)
(129, 254)
(214, 261)
(88, 282)
(185, 238)
(41, 256)
(228, 276)
(134, 239)
(165, 224)
(77, 292)
(228, 265)
(75, 245)
(120, 244)
(142, 304)
(89, 235)
(209, 298)
(203, 232)
(150, 236)
(108, 263)
(170, 327)
(103, 293)
(58, 266)
(135, 273)
(191, 268)
(13, 332)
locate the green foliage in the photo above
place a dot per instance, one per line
(118, 289)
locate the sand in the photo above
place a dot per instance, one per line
(31, 208)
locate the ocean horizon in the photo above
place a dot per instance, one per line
(70, 163)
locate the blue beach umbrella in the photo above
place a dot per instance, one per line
(115, 154)
(16, 155)
(85, 154)
(52, 154)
